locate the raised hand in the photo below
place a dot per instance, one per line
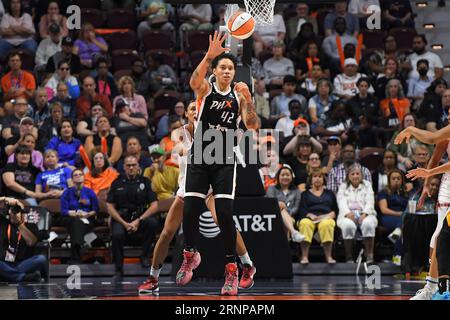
(242, 88)
(215, 45)
(404, 135)
(418, 173)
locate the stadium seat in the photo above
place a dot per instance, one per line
(369, 150)
(196, 57)
(275, 92)
(93, 16)
(122, 40)
(54, 207)
(120, 73)
(289, 13)
(197, 40)
(158, 40)
(121, 18)
(403, 37)
(122, 59)
(321, 14)
(27, 58)
(168, 56)
(158, 115)
(265, 55)
(372, 160)
(166, 100)
(373, 39)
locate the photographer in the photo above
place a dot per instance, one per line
(131, 203)
(17, 240)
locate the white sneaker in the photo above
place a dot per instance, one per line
(424, 294)
(397, 260)
(297, 237)
(395, 235)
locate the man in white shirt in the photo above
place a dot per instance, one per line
(195, 17)
(330, 43)
(436, 68)
(279, 107)
(345, 83)
(265, 36)
(278, 66)
(286, 124)
(294, 24)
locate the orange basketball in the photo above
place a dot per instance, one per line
(241, 25)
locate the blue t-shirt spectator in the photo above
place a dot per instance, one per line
(67, 151)
(395, 201)
(85, 200)
(55, 179)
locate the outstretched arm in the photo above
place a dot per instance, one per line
(424, 136)
(198, 82)
(426, 173)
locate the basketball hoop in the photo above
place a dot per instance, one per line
(261, 10)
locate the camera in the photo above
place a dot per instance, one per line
(9, 209)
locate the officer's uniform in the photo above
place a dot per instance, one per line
(131, 199)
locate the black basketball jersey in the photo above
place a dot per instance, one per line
(217, 111)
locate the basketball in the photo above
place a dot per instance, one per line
(241, 25)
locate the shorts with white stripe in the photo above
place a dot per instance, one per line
(222, 179)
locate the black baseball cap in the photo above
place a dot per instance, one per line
(67, 41)
(54, 28)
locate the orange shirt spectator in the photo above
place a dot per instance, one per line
(401, 107)
(17, 83)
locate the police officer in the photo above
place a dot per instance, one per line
(132, 204)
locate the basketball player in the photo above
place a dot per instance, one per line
(221, 105)
(441, 139)
(183, 141)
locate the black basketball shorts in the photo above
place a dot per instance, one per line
(443, 249)
(221, 177)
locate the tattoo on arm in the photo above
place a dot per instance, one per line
(249, 115)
